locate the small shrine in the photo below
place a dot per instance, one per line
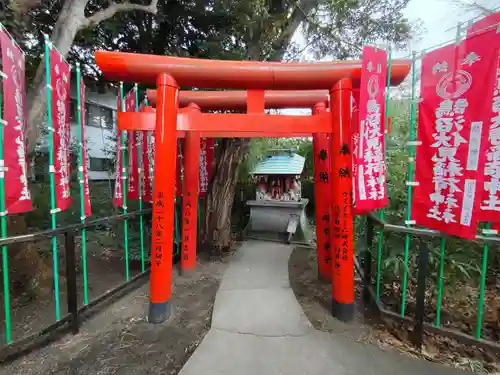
(278, 210)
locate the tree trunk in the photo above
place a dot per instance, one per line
(216, 235)
(70, 20)
(28, 273)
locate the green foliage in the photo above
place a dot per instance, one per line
(462, 258)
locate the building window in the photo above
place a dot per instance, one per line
(73, 110)
(98, 164)
(99, 116)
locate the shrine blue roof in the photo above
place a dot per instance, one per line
(280, 164)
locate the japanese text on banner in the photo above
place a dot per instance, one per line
(450, 161)
(487, 30)
(118, 192)
(84, 166)
(370, 185)
(206, 160)
(15, 164)
(146, 180)
(60, 82)
(132, 140)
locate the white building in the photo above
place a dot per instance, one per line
(100, 132)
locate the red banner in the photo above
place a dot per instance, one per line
(490, 203)
(452, 115)
(84, 162)
(206, 163)
(133, 167)
(16, 189)
(487, 24)
(147, 193)
(370, 192)
(118, 193)
(60, 82)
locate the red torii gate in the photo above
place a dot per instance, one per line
(169, 72)
(317, 100)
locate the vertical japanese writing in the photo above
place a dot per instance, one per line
(63, 131)
(203, 166)
(367, 132)
(453, 159)
(118, 193)
(188, 221)
(85, 160)
(337, 251)
(60, 87)
(14, 167)
(346, 199)
(17, 69)
(446, 167)
(491, 200)
(374, 170)
(158, 220)
(325, 220)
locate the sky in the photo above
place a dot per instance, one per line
(439, 19)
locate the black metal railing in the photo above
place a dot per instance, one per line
(415, 322)
(70, 322)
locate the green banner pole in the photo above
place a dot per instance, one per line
(53, 208)
(3, 233)
(381, 213)
(411, 176)
(81, 164)
(442, 245)
(140, 174)
(482, 285)
(124, 184)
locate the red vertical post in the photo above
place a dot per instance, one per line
(322, 198)
(191, 160)
(341, 204)
(163, 198)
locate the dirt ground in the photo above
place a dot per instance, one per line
(314, 295)
(118, 339)
(105, 270)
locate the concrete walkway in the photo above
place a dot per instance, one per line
(258, 327)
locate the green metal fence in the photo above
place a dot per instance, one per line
(460, 281)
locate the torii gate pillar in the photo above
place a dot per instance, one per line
(341, 202)
(163, 198)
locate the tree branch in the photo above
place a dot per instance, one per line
(298, 15)
(114, 8)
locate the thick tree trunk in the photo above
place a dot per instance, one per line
(28, 270)
(216, 235)
(70, 20)
(28, 273)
